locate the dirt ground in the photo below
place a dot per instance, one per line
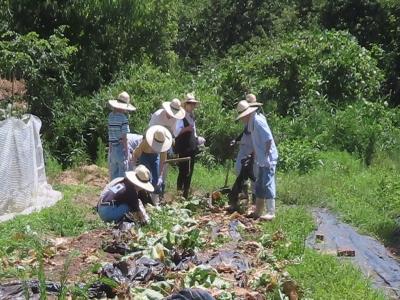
(91, 175)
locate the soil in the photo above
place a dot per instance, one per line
(91, 175)
(80, 253)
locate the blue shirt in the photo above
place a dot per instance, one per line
(117, 126)
(260, 135)
(245, 149)
(134, 141)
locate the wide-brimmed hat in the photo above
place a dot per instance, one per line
(174, 109)
(189, 98)
(244, 109)
(159, 138)
(251, 98)
(141, 177)
(122, 102)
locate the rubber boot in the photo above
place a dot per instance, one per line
(270, 210)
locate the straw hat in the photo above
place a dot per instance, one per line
(122, 102)
(159, 138)
(244, 109)
(140, 177)
(189, 98)
(174, 109)
(251, 98)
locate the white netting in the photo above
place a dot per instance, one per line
(23, 183)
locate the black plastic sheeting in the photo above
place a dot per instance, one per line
(374, 260)
(191, 294)
(183, 259)
(229, 257)
(142, 270)
(19, 290)
(121, 236)
(233, 230)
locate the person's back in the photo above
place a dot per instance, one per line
(117, 137)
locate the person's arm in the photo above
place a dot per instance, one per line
(125, 144)
(137, 153)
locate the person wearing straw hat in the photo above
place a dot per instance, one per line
(118, 128)
(120, 197)
(266, 157)
(187, 143)
(245, 142)
(152, 152)
(168, 115)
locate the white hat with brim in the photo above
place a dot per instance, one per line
(244, 109)
(174, 109)
(189, 98)
(251, 98)
(159, 138)
(140, 177)
(122, 102)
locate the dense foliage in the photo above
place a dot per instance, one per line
(323, 69)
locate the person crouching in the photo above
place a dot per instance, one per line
(120, 196)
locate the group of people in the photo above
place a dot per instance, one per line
(137, 163)
(138, 167)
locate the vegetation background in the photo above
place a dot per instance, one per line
(326, 71)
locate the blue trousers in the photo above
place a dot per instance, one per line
(116, 161)
(265, 183)
(152, 162)
(112, 213)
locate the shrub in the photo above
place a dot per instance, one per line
(108, 34)
(298, 68)
(297, 155)
(363, 129)
(45, 67)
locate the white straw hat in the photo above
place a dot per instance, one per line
(251, 98)
(159, 138)
(244, 109)
(140, 177)
(122, 102)
(174, 109)
(189, 98)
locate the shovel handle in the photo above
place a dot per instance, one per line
(228, 169)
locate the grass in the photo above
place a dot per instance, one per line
(367, 197)
(204, 180)
(324, 277)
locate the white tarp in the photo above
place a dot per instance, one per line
(23, 183)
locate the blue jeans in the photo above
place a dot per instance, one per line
(116, 161)
(112, 213)
(265, 183)
(152, 162)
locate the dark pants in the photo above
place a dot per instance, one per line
(185, 175)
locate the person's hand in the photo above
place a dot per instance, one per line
(201, 140)
(159, 181)
(188, 128)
